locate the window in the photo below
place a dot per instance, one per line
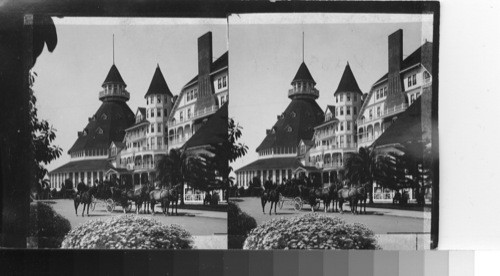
(288, 129)
(385, 91)
(336, 112)
(158, 112)
(341, 126)
(99, 130)
(224, 81)
(348, 124)
(159, 127)
(355, 110)
(341, 97)
(414, 79)
(371, 114)
(189, 113)
(348, 110)
(292, 114)
(378, 111)
(341, 111)
(152, 113)
(336, 99)
(409, 81)
(376, 95)
(181, 115)
(412, 98)
(104, 116)
(196, 93)
(158, 98)
(222, 100)
(165, 112)
(152, 128)
(348, 97)
(219, 83)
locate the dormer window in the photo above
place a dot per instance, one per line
(288, 129)
(99, 130)
(158, 98)
(427, 75)
(104, 116)
(292, 114)
(85, 132)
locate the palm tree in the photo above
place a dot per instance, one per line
(361, 168)
(173, 169)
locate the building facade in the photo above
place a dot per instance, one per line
(120, 145)
(352, 121)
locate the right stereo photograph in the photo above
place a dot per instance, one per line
(337, 114)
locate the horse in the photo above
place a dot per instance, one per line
(329, 194)
(271, 195)
(165, 196)
(84, 197)
(362, 197)
(121, 196)
(348, 194)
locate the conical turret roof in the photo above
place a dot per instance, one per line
(158, 84)
(348, 82)
(303, 74)
(114, 76)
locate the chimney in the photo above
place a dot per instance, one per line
(206, 97)
(394, 82)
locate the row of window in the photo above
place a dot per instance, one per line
(340, 110)
(151, 142)
(222, 82)
(286, 150)
(151, 99)
(381, 93)
(340, 97)
(336, 140)
(192, 94)
(412, 80)
(151, 112)
(92, 152)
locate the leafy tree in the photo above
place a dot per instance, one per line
(227, 152)
(172, 169)
(43, 135)
(362, 168)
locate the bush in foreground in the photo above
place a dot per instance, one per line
(127, 232)
(311, 231)
(239, 225)
(46, 227)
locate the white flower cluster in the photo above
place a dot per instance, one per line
(310, 231)
(127, 232)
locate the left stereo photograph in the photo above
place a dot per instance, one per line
(129, 119)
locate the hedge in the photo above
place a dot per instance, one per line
(239, 225)
(46, 228)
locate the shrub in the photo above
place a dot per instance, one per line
(127, 232)
(46, 227)
(311, 231)
(239, 225)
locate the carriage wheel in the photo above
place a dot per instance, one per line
(297, 205)
(110, 205)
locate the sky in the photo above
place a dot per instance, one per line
(70, 78)
(266, 52)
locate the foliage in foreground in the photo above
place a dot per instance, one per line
(239, 225)
(127, 232)
(46, 226)
(311, 231)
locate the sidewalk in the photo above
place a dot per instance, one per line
(206, 214)
(400, 213)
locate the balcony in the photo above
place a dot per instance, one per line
(304, 91)
(111, 93)
(384, 113)
(198, 114)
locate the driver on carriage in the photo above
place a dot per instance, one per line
(81, 187)
(268, 185)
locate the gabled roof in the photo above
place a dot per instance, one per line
(114, 76)
(118, 117)
(308, 142)
(217, 65)
(348, 82)
(411, 60)
(119, 145)
(297, 123)
(84, 165)
(331, 108)
(272, 163)
(158, 85)
(406, 128)
(142, 110)
(303, 74)
(213, 132)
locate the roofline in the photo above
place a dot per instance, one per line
(136, 125)
(211, 73)
(325, 123)
(401, 71)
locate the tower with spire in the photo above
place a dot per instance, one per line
(278, 152)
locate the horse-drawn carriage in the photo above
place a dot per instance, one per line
(293, 202)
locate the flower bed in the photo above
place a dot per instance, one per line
(127, 232)
(311, 231)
